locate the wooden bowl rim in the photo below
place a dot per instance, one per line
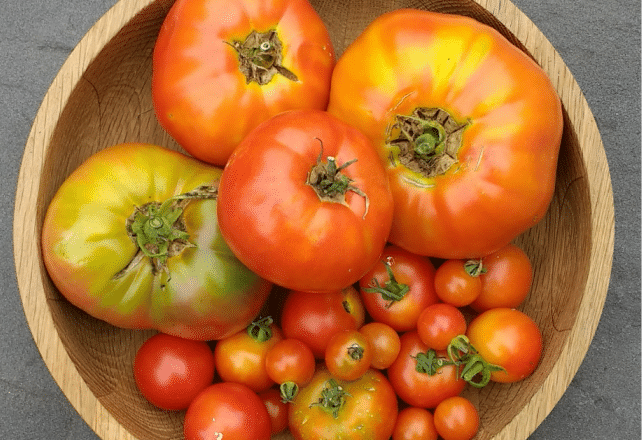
(26, 247)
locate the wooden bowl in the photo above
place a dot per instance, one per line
(102, 97)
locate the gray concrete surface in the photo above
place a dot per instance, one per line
(599, 41)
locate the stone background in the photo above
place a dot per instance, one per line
(600, 42)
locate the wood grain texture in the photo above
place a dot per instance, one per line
(102, 96)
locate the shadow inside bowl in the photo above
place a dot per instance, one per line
(112, 104)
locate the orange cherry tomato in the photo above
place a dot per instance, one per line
(415, 424)
(276, 408)
(458, 282)
(348, 355)
(291, 364)
(439, 323)
(384, 342)
(456, 418)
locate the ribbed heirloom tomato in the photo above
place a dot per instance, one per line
(305, 203)
(131, 237)
(220, 67)
(468, 127)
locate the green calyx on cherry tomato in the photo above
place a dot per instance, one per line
(329, 408)
(348, 355)
(131, 237)
(456, 418)
(220, 68)
(314, 317)
(229, 411)
(456, 114)
(291, 364)
(396, 290)
(241, 357)
(296, 207)
(170, 371)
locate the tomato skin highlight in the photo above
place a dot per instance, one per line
(229, 410)
(411, 59)
(508, 338)
(275, 222)
(170, 371)
(205, 293)
(200, 94)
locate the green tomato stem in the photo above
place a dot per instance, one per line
(392, 290)
(333, 398)
(260, 330)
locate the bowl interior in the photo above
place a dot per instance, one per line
(111, 103)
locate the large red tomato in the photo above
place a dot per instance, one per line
(304, 202)
(220, 67)
(468, 126)
(131, 237)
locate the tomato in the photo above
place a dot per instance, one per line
(384, 342)
(288, 186)
(229, 411)
(506, 281)
(277, 409)
(291, 364)
(348, 355)
(458, 282)
(414, 424)
(220, 67)
(456, 418)
(330, 409)
(131, 237)
(419, 376)
(507, 338)
(241, 357)
(170, 371)
(468, 126)
(397, 289)
(439, 323)
(314, 317)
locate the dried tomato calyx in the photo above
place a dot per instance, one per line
(260, 57)
(426, 141)
(475, 268)
(330, 184)
(332, 398)
(355, 351)
(158, 228)
(260, 329)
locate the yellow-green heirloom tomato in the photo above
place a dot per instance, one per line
(132, 238)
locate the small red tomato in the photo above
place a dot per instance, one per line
(277, 409)
(240, 358)
(398, 288)
(170, 371)
(419, 376)
(439, 323)
(414, 424)
(348, 355)
(507, 338)
(458, 282)
(506, 281)
(291, 364)
(314, 317)
(384, 342)
(456, 418)
(229, 411)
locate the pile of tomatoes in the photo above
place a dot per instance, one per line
(335, 258)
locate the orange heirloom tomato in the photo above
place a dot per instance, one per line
(220, 67)
(468, 127)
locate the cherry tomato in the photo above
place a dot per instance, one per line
(170, 371)
(507, 338)
(220, 67)
(229, 411)
(314, 318)
(458, 282)
(291, 364)
(398, 288)
(418, 376)
(348, 355)
(277, 409)
(439, 323)
(384, 342)
(331, 409)
(506, 281)
(240, 358)
(415, 424)
(304, 202)
(468, 126)
(456, 418)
